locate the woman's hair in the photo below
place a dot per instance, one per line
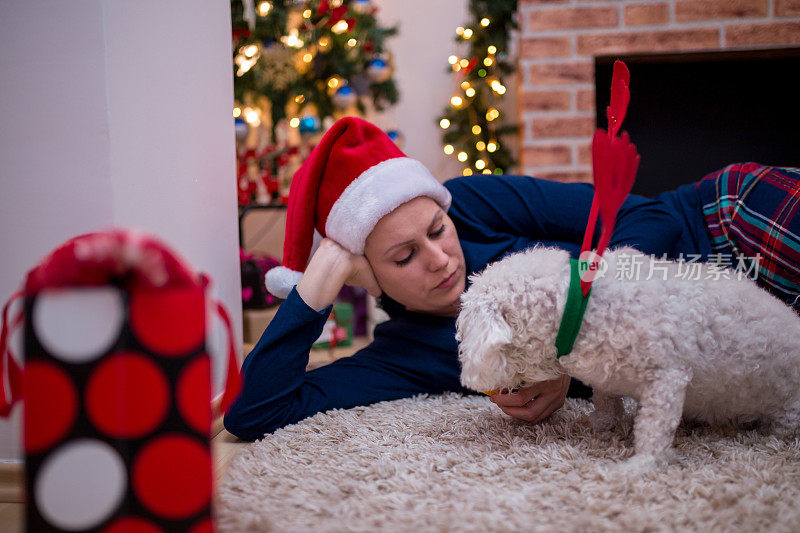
(392, 307)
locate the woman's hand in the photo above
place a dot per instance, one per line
(536, 402)
(330, 267)
(362, 275)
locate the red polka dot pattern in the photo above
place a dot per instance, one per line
(205, 526)
(127, 395)
(172, 476)
(170, 322)
(194, 389)
(51, 405)
(148, 397)
(131, 524)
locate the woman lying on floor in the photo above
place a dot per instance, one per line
(393, 229)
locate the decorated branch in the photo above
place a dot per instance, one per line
(473, 126)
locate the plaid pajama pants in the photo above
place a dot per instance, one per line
(754, 218)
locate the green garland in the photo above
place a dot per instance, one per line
(473, 127)
(269, 60)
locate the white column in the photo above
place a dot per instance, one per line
(117, 113)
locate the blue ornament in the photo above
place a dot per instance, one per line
(309, 125)
(242, 128)
(344, 97)
(361, 6)
(378, 71)
(396, 137)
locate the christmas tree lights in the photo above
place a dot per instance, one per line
(472, 126)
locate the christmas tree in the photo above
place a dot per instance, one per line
(311, 58)
(472, 124)
(298, 65)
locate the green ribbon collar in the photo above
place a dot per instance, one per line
(573, 311)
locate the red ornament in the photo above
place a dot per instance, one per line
(245, 187)
(245, 192)
(239, 33)
(336, 15)
(471, 65)
(270, 182)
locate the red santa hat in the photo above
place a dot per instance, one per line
(355, 176)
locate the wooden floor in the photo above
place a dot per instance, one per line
(224, 447)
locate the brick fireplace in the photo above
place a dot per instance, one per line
(560, 39)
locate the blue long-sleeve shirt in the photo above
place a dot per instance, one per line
(417, 353)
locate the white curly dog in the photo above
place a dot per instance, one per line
(717, 349)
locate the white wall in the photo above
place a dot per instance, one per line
(420, 50)
(117, 113)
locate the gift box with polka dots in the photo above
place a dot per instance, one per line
(117, 412)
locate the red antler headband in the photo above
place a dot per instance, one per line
(614, 162)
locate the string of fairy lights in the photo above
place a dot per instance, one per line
(472, 125)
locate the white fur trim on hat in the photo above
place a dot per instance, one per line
(280, 280)
(378, 191)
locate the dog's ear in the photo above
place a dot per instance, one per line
(498, 331)
(482, 332)
(486, 326)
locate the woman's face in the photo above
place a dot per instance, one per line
(416, 257)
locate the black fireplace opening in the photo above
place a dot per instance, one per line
(693, 113)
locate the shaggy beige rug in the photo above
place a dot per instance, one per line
(455, 463)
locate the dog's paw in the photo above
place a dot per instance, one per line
(631, 469)
(642, 463)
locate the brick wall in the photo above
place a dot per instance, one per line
(560, 38)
